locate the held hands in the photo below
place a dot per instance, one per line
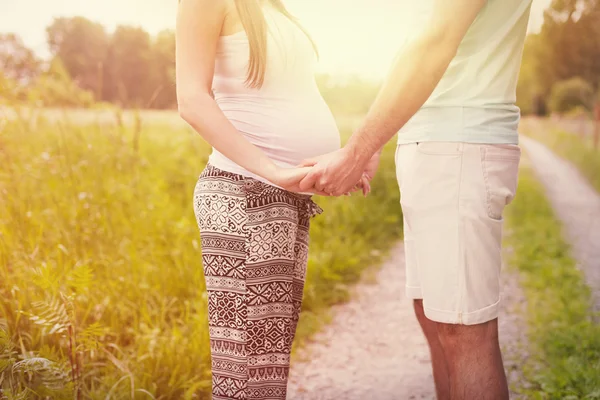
(338, 173)
(289, 178)
(298, 179)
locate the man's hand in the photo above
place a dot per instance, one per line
(335, 173)
(372, 165)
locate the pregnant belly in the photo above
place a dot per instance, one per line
(290, 136)
(296, 146)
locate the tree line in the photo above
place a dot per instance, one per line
(129, 67)
(561, 64)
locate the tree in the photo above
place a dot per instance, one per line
(82, 46)
(528, 88)
(568, 46)
(570, 94)
(17, 62)
(55, 88)
(162, 81)
(570, 42)
(128, 67)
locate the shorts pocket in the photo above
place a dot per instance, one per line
(500, 166)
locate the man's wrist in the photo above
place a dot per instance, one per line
(360, 150)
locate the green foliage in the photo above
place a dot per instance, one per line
(98, 236)
(163, 71)
(566, 47)
(26, 376)
(55, 88)
(16, 60)
(52, 88)
(529, 91)
(565, 342)
(578, 112)
(570, 94)
(82, 46)
(10, 91)
(128, 67)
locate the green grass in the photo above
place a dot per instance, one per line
(100, 267)
(565, 342)
(571, 147)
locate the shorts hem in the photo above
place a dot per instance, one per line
(457, 318)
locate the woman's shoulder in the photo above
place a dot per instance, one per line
(222, 6)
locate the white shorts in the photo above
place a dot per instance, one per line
(453, 196)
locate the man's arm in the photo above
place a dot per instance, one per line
(416, 72)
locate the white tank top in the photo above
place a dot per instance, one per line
(475, 100)
(287, 117)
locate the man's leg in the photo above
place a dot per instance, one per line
(453, 196)
(474, 361)
(438, 358)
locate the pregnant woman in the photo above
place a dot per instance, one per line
(245, 82)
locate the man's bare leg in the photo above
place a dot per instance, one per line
(474, 361)
(438, 359)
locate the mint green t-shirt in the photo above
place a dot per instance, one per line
(475, 100)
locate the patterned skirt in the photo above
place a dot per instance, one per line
(254, 253)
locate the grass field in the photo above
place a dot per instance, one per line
(564, 360)
(100, 271)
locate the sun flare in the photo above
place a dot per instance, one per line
(354, 37)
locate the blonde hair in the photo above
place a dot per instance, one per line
(253, 20)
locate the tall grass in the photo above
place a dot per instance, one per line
(564, 360)
(100, 261)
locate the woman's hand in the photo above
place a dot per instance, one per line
(287, 178)
(372, 166)
(363, 184)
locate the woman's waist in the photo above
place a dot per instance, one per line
(221, 162)
(251, 184)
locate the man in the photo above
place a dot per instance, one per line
(451, 96)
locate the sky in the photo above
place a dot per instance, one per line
(353, 36)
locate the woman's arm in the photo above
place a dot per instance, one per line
(199, 24)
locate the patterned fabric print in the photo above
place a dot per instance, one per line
(254, 252)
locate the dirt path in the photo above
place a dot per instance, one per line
(576, 204)
(373, 348)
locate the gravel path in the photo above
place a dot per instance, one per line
(373, 349)
(576, 204)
